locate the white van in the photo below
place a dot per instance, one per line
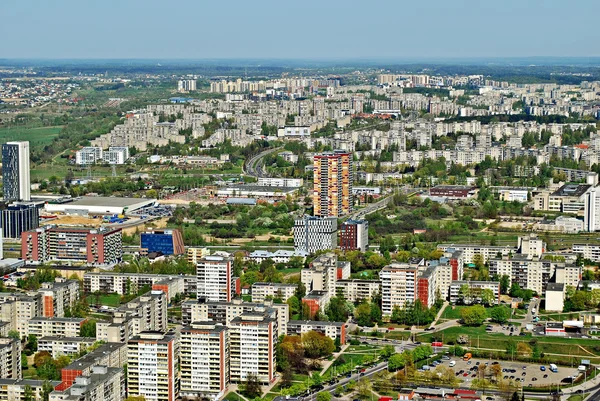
(452, 363)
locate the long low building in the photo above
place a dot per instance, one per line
(55, 326)
(261, 291)
(475, 290)
(252, 191)
(332, 330)
(58, 346)
(120, 283)
(101, 205)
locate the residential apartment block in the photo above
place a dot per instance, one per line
(475, 289)
(58, 296)
(55, 326)
(261, 291)
(57, 345)
(18, 309)
(253, 336)
(333, 330)
(356, 290)
(101, 246)
(333, 178)
(204, 360)
(131, 283)
(152, 366)
(10, 358)
(215, 279)
(398, 286)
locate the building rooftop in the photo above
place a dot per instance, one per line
(555, 287)
(108, 201)
(575, 190)
(315, 323)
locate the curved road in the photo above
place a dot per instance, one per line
(253, 167)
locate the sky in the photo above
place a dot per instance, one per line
(307, 29)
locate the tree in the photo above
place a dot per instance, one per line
(478, 261)
(473, 315)
(32, 343)
(316, 379)
(364, 387)
(251, 386)
(324, 396)
(523, 349)
(41, 358)
(28, 393)
(362, 314)
(500, 314)
(336, 310)
(14, 334)
(317, 345)
(504, 283)
(515, 397)
(88, 328)
(487, 297)
(47, 388)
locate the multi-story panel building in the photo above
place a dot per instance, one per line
(469, 251)
(312, 234)
(214, 279)
(427, 286)
(224, 312)
(101, 246)
(357, 290)
(103, 383)
(354, 235)
(18, 309)
(55, 326)
(253, 337)
(333, 330)
(195, 254)
(58, 346)
(398, 286)
(112, 355)
(333, 178)
(152, 366)
(262, 291)
(58, 296)
(16, 390)
(10, 358)
(204, 360)
(131, 283)
(15, 171)
(530, 273)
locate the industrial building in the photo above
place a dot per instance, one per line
(98, 205)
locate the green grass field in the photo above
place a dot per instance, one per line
(113, 300)
(36, 136)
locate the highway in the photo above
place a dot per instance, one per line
(254, 168)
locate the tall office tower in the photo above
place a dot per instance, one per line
(591, 211)
(152, 372)
(15, 171)
(214, 279)
(332, 191)
(204, 360)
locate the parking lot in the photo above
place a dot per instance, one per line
(529, 375)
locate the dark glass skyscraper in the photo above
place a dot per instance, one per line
(15, 171)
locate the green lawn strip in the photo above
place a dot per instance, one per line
(36, 136)
(453, 312)
(479, 338)
(233, 397)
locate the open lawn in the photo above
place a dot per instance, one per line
(40, 136)
(113, 300)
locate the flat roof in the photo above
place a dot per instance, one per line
(108, 201)
(571, 190)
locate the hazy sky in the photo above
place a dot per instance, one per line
(325, 29)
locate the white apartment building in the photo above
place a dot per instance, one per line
(530, 273)
(10, 358)
(261, 291)
(55, 326)
(321, 275)
(313, 234)
(88, 155)
(58, 346)
(130, 283)
(253, 336)
(214, 279)
(186, 85)
(333, 330)
(357, 290)
(587, 251)
(569, 275)
(224, 312)
(531, 245)
(204, 360)
(486, 251)
(18, 309)
(116, 155)
(591, 214)
(152, 359)
(398, 286)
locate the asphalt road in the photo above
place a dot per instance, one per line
(253, 167)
